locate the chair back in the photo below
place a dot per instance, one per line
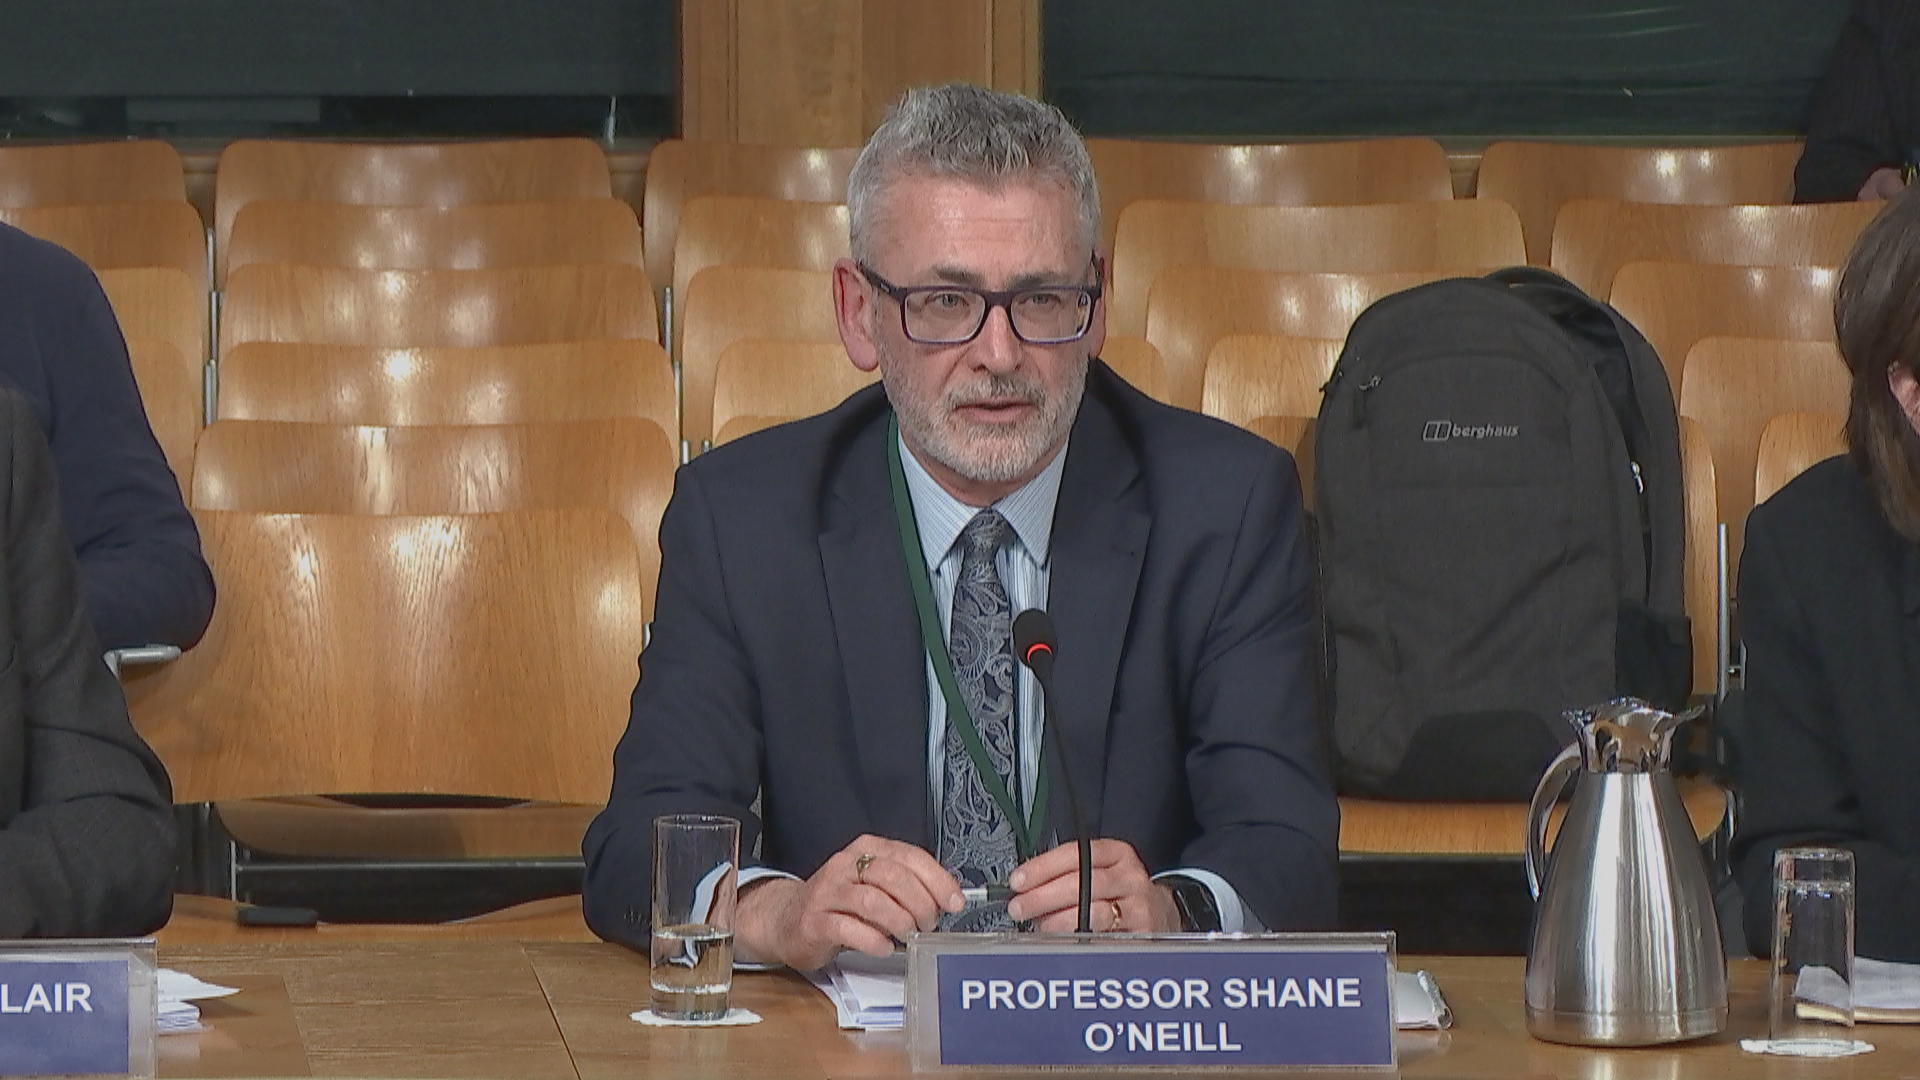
(1593, 238)
(485, 654)
(160, 304)
(428, 308)
(734, 230)
(124, 235)
(1346, 173)
(1703, 585)
(682, 169)
(779, 381)
(1537, 178)
(1676, 304)
(725, 304)
(1255, 375)
(171, 390)
(1792, 443)
(1192, 307)
(1734, 386)
(1139, 363)
(1154, 234)
(479, 237)
(623, 465)
(504, 384)
(132, 170)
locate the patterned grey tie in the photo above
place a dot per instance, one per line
(976, 840)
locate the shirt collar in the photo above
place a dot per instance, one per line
(941, 517)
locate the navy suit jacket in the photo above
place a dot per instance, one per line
(785, 658)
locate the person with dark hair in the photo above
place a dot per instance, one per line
(86, 815)
(1830, 608)
(834, 631)
(142, 577)
(1863, 133)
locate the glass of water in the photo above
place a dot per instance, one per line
(1810, 1011)
(696, 860)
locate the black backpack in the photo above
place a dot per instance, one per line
(1502, 533)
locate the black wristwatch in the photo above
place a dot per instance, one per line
(1198, 912)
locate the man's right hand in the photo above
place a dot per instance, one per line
(870, 894)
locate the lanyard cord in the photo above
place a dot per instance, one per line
(1026, 830)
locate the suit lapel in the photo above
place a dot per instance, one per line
(879, 643)
(1099, 543)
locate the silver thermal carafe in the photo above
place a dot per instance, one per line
(1626, 947)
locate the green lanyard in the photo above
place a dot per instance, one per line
(1026, 830)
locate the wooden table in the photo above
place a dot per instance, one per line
(499, 1009)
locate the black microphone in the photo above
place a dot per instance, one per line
(1033, 641)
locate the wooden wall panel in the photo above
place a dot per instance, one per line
(821, 72)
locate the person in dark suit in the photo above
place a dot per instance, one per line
(142, 578)
(1864, 128)
(86, 816)
(1830, 607)
(789, 658)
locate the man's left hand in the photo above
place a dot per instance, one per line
(1125, 898)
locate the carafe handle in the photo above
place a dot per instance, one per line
(1552, 782)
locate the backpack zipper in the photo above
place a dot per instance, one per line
(1360, 400)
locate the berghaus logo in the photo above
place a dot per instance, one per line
(1445, 430)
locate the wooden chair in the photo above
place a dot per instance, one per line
(133, 170)
(1350, 173)
(404, 174)
(1483, 830)
(731, 230)
(624, 465)
(1536, 178)
(1192, 307)
(208, 920)
(503, 384)
(681, 169)
(1734, 386)
(1267, 375)
(435, 237)
(1153, 235)
(115, 236)
(429, 308)
(474, 655)
(1593, 238)
(1677, 304)
(1705, 587)
(760, 382)
(160, 304)
(725, 304)
(171, 388)
(1137, 361)
(1792, 443)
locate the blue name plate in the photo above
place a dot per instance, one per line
(64, 1016)
(1187, 1002)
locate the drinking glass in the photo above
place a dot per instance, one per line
(696, 861)
(1810, 997)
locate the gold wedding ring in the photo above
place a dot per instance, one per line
(860, 867)
(1117, 915)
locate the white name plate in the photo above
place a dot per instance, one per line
(1191, 1002)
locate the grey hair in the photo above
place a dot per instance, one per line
(982, 136)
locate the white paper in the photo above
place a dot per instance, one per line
(1877, 984)
(177, 992)
(868, 993)
(1417, 1004)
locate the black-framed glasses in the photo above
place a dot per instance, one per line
(954, 314)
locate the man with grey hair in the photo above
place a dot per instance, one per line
(836, 595)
